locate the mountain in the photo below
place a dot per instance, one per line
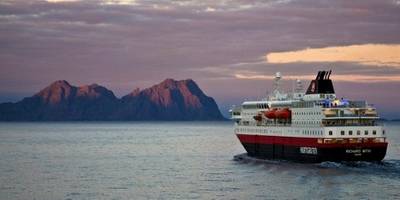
(169, 100)
(62, 101)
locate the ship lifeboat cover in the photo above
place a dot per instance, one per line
(271, 113)
(283, 113)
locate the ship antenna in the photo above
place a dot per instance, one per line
(277, 83)
(299, 86)
(293, 82)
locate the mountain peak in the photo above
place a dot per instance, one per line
(172, 83)
(94, 91)
(173, 100)
(60, 83)
(169, 100)
(56, 92)
(168, 83)
(169, 80)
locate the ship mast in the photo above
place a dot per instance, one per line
(277, 94)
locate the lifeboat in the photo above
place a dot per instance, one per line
(270, 114)
(257, 117)
(283, 113)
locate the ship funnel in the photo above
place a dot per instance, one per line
(321, 84)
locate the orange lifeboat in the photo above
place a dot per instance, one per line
(283, 113)
(257, 117)
(271, 114)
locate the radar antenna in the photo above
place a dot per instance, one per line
(277, 94)
(277, 83)
(299, 86)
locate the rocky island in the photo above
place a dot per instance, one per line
(170, 100)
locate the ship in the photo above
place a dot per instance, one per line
(312, 126)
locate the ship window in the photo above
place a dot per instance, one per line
(374, 132)
(383, 132)
(365, 132)
(350, 132)
(341, 132)
(358, 132)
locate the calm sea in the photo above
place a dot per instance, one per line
(179, 160)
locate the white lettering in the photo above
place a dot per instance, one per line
(309, 150)
(366, 150)
(353, 150)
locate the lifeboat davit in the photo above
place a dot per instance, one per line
(283, 113)
(270, 114)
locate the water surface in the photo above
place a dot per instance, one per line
(172, 160)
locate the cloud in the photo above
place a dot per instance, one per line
(210, 9)
(210, 41)
(366, 54)
(120, 2)
(339, 77)
(61, 1)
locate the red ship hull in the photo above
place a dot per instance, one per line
(311, 149)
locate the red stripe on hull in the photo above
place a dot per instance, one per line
(298, 141)
(309, 150)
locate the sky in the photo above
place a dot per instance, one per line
(231, 48)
